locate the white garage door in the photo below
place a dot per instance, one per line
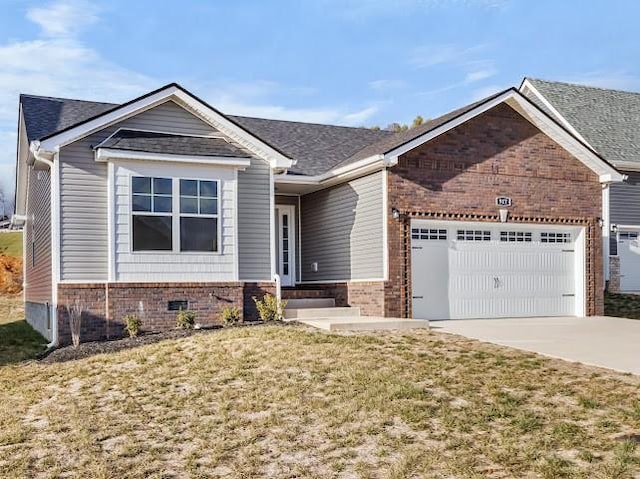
(629, 253)
(488, 270)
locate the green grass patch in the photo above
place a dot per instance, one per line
(11, 244)
(18, 340)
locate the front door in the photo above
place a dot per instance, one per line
(286, 246)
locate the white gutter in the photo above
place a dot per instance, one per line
(45, 157)
(366, 165)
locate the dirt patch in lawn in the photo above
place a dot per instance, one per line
(286, 401)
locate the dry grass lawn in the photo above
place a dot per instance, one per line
(287, 402)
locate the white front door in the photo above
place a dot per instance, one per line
(487, 270)
(286, 247)
(629, 253)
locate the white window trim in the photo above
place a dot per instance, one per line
(175, 217)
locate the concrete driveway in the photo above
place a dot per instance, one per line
(607, 342)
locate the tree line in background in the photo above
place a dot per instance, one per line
(397, 127)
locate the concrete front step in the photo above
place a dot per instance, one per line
(305, 303)
(319, 313)
(365, 323)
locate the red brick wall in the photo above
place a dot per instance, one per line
(458, 176)
(150, 302)
(366, 295)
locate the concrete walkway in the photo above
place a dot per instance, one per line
(607, 342)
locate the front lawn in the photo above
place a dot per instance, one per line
(18, 340)
(287, 402)
(622, 305)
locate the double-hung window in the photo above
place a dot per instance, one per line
(199, 215)
(151, 209)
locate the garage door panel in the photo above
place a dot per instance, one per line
(474, 277)
(629, 253)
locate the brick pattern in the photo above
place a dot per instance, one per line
(366, 295)
(614, 274)
(338, 291)
(458, 176)
(107, 304)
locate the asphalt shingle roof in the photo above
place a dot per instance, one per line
(171, 144)
(608, 119)
(317, 148)
(45, 115)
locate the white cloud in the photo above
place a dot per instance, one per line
(384, 85)
(64, 18)
(234, 105)
(478, 75)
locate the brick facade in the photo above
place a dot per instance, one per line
(614, 274)
(366, 295)
(107, 304)
(458, 175)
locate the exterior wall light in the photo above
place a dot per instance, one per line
(395, 213)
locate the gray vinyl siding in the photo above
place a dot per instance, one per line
(254, 222)
(342, 230)
(83, 191)
(37, 254)
(625, 201)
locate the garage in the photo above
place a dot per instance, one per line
(629, 253)
(464, 270)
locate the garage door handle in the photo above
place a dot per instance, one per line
(418, 297)
(568, 251)
(565, 295)
(416, 247)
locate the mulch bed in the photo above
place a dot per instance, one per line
(85, 350)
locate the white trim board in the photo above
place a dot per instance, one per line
(109, 154)
(183, 98)
(512, 97)
(527, 85)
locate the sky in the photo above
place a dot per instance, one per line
(346, 62)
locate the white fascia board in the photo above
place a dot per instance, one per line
(527, 85)
(108, 154)
(254, 144)
(119, 114)
(207, 114)
(627, 165)
(366, 165)
(397, 152)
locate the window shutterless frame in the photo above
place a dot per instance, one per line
(201, 198)
(175, 216)
(159, 210)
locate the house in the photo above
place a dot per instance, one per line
(164, 203)
(608, 121)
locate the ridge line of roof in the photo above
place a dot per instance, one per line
(62, 98)
(582, 85)
(309, 123)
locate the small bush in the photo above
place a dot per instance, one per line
(230, 315)
(132, 325)
(75, 312)
(186, 319)
(268, 307)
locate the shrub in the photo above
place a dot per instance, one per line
(268, 307)
(132, 325)
(75, 312)
(230, 315)
(186, 319)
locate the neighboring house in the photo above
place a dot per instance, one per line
(608, 121)
(164, 202)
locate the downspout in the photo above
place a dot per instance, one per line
(38, 156)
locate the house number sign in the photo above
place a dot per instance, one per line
(503, 201)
